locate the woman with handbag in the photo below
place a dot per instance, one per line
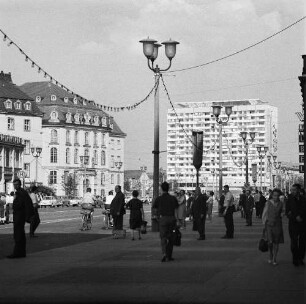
(272, 219)
(136, 214)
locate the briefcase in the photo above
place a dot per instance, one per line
(119, 234)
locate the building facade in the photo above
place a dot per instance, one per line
(82, 145)
(20, 125)
(250, 115)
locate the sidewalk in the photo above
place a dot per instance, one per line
(125, 271)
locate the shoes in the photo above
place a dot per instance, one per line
(14, 256)
(164, 259)
(201, 238)
(275, 263)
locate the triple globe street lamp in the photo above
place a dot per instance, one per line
(36, 152)
(262, 151)
(273, 164)
(150, 50)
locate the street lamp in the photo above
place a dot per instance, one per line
(247, 142)
(36, 152)
(84, 162)
(150, 50)
(273, 164)
(262, 151)
(221, 122)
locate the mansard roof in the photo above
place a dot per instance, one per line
(52, 98)
(9, 92)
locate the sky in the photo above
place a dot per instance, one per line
(93, 48)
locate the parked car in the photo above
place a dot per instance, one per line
(76, 201)
(48, 201)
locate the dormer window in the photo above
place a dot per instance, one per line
(75, 100)
(27, 106)
(8, 104)
(18, 105)
(53, 97)
(68, 117)
(38, 99)
(84, 103)
(77, 118)
(111, 125)
(96, 120)
(87, 118)
(104, 121)
(66, 99)
(54, 116)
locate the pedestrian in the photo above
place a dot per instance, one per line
(228, 213)
(2, 208)
(189, 204)
(210, 205)
(249, 206)
(107, 204)
(181, 210)
(256, 202)
(117, 209)
(272, 220)
(136, 214)
(9, 207)
(242, 201)
(35, 220)
(262, 202)
(296, 212)
(165, 206)
(23, 211)
(199, 211)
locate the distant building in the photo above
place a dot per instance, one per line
(20, 125)
(72, 129)
(248, 115)
(139, 180)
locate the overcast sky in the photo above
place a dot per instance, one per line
(92, 47)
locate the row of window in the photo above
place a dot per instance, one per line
(11, 124)
(17, 105)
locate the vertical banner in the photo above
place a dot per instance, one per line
(197, 137)
(254, 173)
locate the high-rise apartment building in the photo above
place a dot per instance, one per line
(251, 115)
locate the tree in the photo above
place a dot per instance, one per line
(69, 184)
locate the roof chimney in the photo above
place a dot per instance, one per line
(5, 77)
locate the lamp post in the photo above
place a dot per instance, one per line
(36, 152)
(220, 122)
(84, 162)
(150, 50)
(273, 164)
(262, 151)
(247, 142)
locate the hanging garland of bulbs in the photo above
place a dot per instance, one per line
(82, 99)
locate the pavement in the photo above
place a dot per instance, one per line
(91, 267)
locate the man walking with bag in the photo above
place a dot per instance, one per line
(165, 206)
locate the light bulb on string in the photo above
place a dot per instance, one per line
(4, 38)
(39, 69)
(10, 43)
(45, 75)
(26, 58)
(33, 64)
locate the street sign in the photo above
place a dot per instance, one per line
(21, 174)
(301, 159)
(301, 127)
(301, 148)
(301, 137)
(301, 168)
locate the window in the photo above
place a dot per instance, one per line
(27, 147)
(104, 121)
(95, 139)
(119, 144)
(103, 139)
(75, 100)
(76, 156)
(10, 123)
(68, 139)
(112, 179)
(118, 179)
(27, 106)
(112, 161)
(102, 178)
(26, 168)
(18, 105)
(67, 156)
(77, 118)
(87, 118)
(86, 152)
(54, 115)
(76, 137)
(53, 136)
(86, 138)
(68, 117)
(103, 161)
(95, 157)
(53, 177)
(53, 97)
(53, 155)
(7, 161)
(8, 104)
(27, 125)
(38, 99)
(66, 99)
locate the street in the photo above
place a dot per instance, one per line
(67, 265)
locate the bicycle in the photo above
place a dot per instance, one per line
(87, 219)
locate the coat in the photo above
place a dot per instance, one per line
(249, 203)
(199, 207)
(181, 210)
(117, 205)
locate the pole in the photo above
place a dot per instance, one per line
(84, 184)
(220, 160)
(155, 227)
(36, 170)
(247, 164)
(197, 178)
(261, 158)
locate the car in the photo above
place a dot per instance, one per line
(58, 203)
(48, 201)
(76, 201)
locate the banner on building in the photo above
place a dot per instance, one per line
(254, 172)
(197, 137)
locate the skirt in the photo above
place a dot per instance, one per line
(135, 223)
(275, 233)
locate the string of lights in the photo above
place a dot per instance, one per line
(52, 79)
(180, 121)
(240, 51)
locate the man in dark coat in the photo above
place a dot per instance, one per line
(165, 207)
(199, 210)
(296, 212)
(22, 212)
(249, 206)
(117, 209)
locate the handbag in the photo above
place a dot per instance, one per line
(176, 237)
(263, 245)
(143, 227)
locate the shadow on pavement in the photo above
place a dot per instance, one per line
(47, 241)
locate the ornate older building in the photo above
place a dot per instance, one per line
(82, 145)
(20, 125)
